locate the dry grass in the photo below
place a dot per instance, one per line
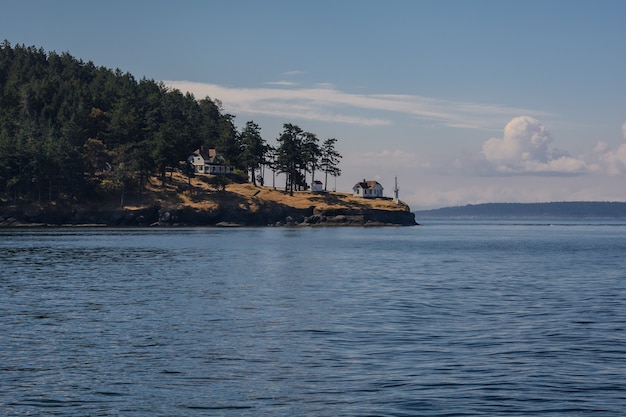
(200, 195)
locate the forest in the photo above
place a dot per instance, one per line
(74, 131)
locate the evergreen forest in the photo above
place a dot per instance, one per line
(74, 131)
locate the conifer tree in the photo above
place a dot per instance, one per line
(330, 160)
(289, 155)
(254, 148)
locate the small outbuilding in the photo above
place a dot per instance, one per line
(368, 189)
(317, 186)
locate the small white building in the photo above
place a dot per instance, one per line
(368, 189)
(317, 186)
(208, 161)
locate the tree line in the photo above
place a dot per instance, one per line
(550, 210)
(73, 130)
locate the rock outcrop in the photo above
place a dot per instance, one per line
(360, 217)
(155, 215)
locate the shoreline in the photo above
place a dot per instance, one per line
(65, 217)
(180, 204)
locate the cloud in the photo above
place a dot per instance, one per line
(325, 103)
(613, 161)
(601, 147)
(282, 83)
(525, 149)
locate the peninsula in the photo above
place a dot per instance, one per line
(82, 144)
(194, 202)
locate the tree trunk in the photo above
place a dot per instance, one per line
(123, 192)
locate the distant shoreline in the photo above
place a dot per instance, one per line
(550, 210)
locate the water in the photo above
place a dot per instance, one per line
(446, 319)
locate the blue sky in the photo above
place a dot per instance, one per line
(465, 101)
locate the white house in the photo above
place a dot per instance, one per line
(208, 161)
(368, 189)
(317, 186)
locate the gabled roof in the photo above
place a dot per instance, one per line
(367, 184)
(210, 156)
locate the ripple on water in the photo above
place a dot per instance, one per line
(490, 319)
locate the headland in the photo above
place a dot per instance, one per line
(182, 202)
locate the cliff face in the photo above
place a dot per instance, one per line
(266, 215)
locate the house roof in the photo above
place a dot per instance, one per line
(367, 184)
(210, 156)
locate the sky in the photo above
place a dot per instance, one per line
(465, 102)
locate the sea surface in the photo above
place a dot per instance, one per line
(460, 318)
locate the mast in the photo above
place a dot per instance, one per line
(395, 192)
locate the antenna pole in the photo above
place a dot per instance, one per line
(396, 190)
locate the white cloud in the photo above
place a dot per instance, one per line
(525, 149)
(601, 147)
(326, 86)
(325, 103)
(282, 83)
(613, 161)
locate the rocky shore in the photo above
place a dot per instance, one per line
(267, 215)
(179, 203)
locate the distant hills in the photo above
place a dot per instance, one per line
(563, 210)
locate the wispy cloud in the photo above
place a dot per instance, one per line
(282, 83)
(325, 103)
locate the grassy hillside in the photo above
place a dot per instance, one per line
(178, 202)
(177, 193)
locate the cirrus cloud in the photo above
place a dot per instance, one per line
(325, 103)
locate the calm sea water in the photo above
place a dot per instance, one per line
(446, 319)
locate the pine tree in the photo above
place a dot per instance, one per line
(330, 160)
